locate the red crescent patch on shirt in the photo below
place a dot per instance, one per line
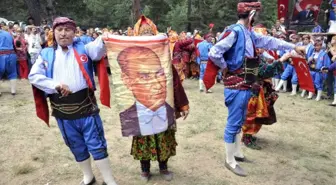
(83, 58)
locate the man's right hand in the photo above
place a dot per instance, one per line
(63, 89)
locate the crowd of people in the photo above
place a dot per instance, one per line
(253, 63)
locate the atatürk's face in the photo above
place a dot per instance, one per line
(145, 77)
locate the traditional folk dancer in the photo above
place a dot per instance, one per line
(280, 53)
(180, 46)
(158, 147)
(332, 68)
(260, 109)
(21, 51)
(317, 59)
(202, 60)
(64, 73)
(235, 54)
(8, 59)
(290, 72)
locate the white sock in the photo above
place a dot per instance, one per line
(13, 86)
(104, 167)
(238, 152)
(319, 95)
(276, 82)
(87, 170)
(284, 85)
(294, 86)
(310, 95)
(278, 87)
(334, 103)
(230, 149)
(303, 93)
(201, 84)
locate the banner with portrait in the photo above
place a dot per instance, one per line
(142, 83)
(306, 11)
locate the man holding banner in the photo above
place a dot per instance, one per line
(235, 54)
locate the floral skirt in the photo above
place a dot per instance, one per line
(158, 147)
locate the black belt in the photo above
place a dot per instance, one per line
(250, 70)
(315, 70)
(74, 106)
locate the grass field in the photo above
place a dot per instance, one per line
(300, 149)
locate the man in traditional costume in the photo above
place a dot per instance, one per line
(202, 59)
(317, 59)
(8, 59)
(289, 72)
(161, 146)
(260, 107)
(236, 55)
(183, 45)
(64, 73)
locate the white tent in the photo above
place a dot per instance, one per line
(3, 20)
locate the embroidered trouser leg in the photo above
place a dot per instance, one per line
(84, 135)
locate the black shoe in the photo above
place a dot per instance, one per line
(13, 94)
(93, 181)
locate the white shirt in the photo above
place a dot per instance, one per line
(34, 43)
(66, 69)
(152, 122)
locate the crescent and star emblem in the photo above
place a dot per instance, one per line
(83, 58)
(304, 67)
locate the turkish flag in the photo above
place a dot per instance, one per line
(274, 54)
(303, 73)
(104, 83)
(282, 8)
(303, 5)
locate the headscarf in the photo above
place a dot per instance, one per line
(143, 26)
(64, 21)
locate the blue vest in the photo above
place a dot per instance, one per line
(6, 40)
(310, 51)
(48, 55)
(204, 48)
(234, 57)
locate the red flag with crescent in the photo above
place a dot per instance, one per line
(282, 8)
(306, 6)
(303, 73)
